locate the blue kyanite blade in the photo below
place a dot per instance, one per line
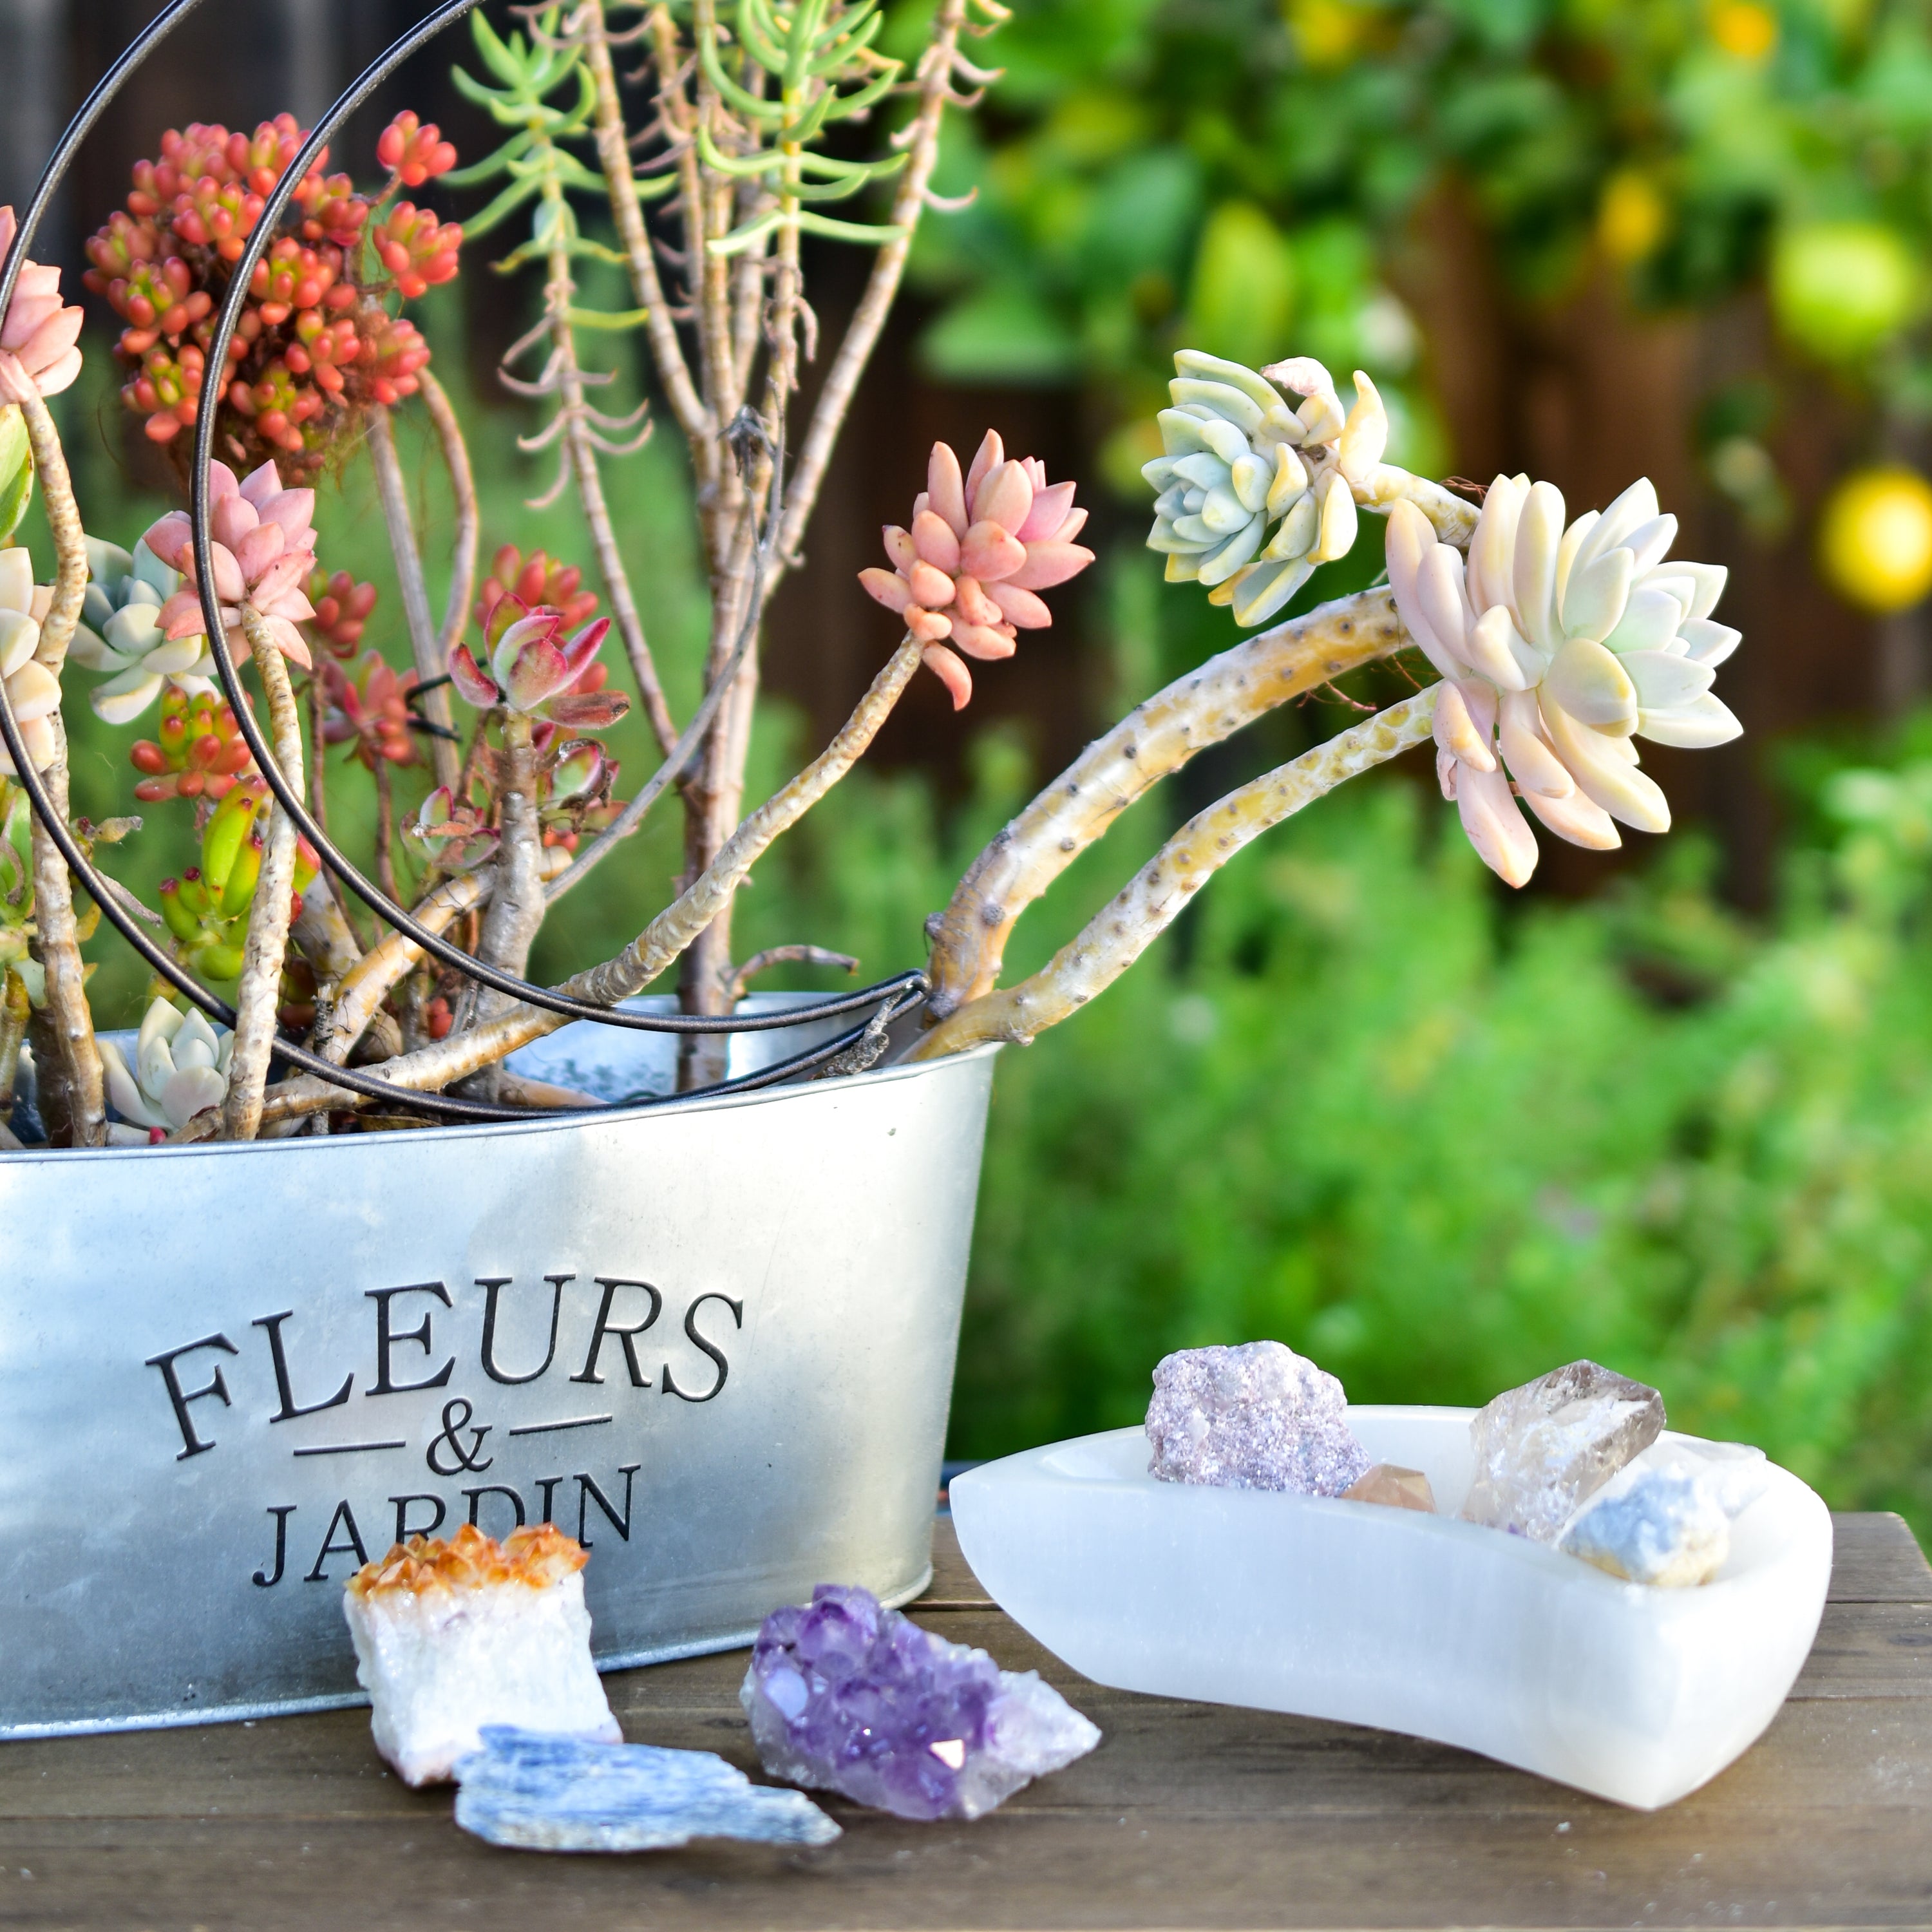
(544, 1792)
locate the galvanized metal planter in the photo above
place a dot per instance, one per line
(714, 1339)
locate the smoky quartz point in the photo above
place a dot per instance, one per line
(1543, 1449)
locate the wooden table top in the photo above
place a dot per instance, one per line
(1188, 1815)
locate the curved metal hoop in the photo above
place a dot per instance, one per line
(897, 996)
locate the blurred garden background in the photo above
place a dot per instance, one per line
(1673, 1110)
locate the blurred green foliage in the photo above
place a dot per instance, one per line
(1244, 175)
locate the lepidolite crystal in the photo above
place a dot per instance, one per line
(1544, 1448)
(1257, 1417)
(541, 1793)
(849, 1696)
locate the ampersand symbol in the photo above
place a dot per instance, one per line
(456, 1418)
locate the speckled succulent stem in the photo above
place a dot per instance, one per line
(64, 1030)
(258, 996)
(434, 1067)
(426, 650)
(1209, 704)
(1151, 902)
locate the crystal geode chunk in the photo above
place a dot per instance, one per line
(452, 1635)
(851, 1697)
(541, 1792)
(1257, 1417)
(1665, 1519)
(1544, 1448)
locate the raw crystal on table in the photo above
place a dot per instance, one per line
(1257, 1417)
(1390, 1482)
(1666, 1518)
(450, 1636)
(544, 1792)
(846, 1695)
(1543, 1449)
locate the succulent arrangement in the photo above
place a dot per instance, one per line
(1555, 642)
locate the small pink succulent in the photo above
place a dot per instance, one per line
(969, 573)
(263, 538)
(536, 669)
(39, 342)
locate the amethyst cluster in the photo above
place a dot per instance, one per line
(852, 1697)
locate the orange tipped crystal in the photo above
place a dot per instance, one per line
(538, 1556)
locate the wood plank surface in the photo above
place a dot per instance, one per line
(1188, 1815)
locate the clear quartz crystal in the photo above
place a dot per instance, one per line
(1543, 1449)
(1257, 1417)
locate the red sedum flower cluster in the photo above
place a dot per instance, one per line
(316, 342)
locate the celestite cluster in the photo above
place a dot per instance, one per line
(849, 1696)
(1257, 1417)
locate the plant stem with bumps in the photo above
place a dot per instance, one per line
(1154, 897)
(1209, 704)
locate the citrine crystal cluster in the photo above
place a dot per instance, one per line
(452, 1635)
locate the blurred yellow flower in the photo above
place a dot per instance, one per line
(1875, 538)
(1327, 33)
(1743, 29)
(1630, 218)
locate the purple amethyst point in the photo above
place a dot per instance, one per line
(849, 1696)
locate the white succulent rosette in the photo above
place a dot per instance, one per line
(120, 634)
(1240, 462)
(1559, 647)
(181, 1068)
(33, 689)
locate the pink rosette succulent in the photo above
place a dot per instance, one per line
(39, 341)
(263, 539)
(535, 668)
(980, 547)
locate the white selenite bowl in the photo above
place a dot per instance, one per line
(1387, 1617)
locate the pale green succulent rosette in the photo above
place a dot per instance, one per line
(120, 635)
(1254, 493)
(180, 1069)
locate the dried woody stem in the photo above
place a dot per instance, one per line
(580, 427)
(462, 558)
(613, 155)
(1209, 704)
(1116, 937)
(73, 1086)
(433, 1068)
(425, 641)
(259, 994)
